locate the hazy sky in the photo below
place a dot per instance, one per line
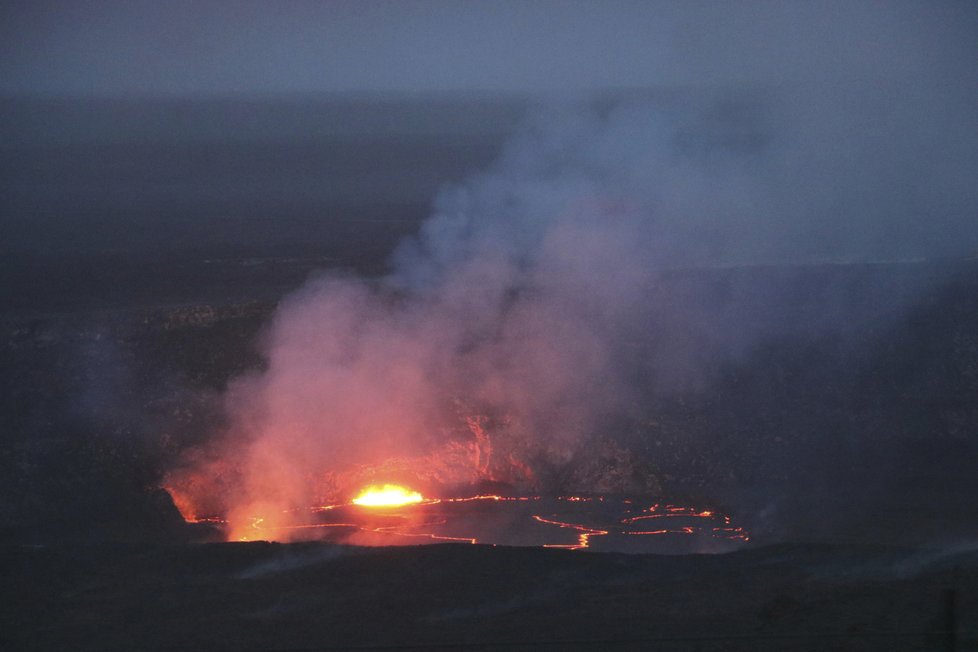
(204, 46)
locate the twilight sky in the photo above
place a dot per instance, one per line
(181, 47)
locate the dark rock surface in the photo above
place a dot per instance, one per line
(97, 404)
(260, 596)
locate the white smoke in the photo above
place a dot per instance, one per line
(525, 292)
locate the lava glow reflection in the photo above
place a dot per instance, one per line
(389, 495)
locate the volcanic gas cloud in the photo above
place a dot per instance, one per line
(509, 332)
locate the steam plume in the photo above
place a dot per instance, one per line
(526, 295)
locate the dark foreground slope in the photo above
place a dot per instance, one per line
(311, 597)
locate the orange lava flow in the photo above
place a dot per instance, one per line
(583, 539)
(683, 530)
(489, 497)
(736, 533)
(672, 514)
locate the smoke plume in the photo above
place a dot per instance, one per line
(523, 304)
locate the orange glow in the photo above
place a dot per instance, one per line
(398, 515)
(675, 513)
(183, 503)
(583, 539)
(683, 530)
(389, 495)
(489, 497)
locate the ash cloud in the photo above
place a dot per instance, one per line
(527, 295)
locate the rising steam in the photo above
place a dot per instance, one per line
(521, 303)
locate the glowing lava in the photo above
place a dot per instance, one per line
(389, 495)
(396, 515)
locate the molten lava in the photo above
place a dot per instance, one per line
(391, 514)
(389, 495)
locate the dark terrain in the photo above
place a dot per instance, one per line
(316, 597)
(838, 420)
(97, 404)
(859, 427)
